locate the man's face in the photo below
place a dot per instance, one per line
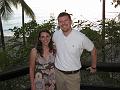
(65, 23)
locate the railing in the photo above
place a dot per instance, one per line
(104, 67)
(14, 73)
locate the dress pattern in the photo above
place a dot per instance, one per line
(45, 74)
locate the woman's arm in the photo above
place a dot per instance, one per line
(32, 59)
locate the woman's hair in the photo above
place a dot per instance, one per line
(39, 46)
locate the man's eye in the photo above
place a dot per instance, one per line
(47, 36)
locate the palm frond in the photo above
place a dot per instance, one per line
(27, 9)
(14, 2)
(5, 9)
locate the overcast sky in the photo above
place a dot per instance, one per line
(88, 9)
(81, 9)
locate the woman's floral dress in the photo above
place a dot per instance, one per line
(45, 74)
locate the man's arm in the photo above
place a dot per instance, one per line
(92, 68)
(94, 58)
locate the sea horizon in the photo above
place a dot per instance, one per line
(16, 21)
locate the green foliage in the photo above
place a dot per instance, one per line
(112, 35)
(16, 53)
(4, 60)
(32, 37)
(95, 37)
(19, 54)
(113, 32)
(92, 35)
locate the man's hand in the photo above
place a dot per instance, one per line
(92, 70)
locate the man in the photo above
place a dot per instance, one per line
(70, 44)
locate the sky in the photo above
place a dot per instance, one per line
(89, 9)
(80, 9)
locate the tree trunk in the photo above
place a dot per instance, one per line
(2, 34)
(103, 31)
(23, 26)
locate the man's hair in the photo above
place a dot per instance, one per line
(64, 14)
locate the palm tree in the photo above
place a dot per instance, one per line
(5, 11)
(2, 35)
(28, 12)
(103, 29)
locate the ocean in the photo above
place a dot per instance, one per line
(16, 21)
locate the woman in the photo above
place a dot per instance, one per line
(42, 75)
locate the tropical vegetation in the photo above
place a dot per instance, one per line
(16, 53)
(6, 11)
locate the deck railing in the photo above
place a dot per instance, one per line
(104, 67)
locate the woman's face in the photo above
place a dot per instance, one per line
(45, 38)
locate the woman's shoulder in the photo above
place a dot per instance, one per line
(34, 51)
(33, 54)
